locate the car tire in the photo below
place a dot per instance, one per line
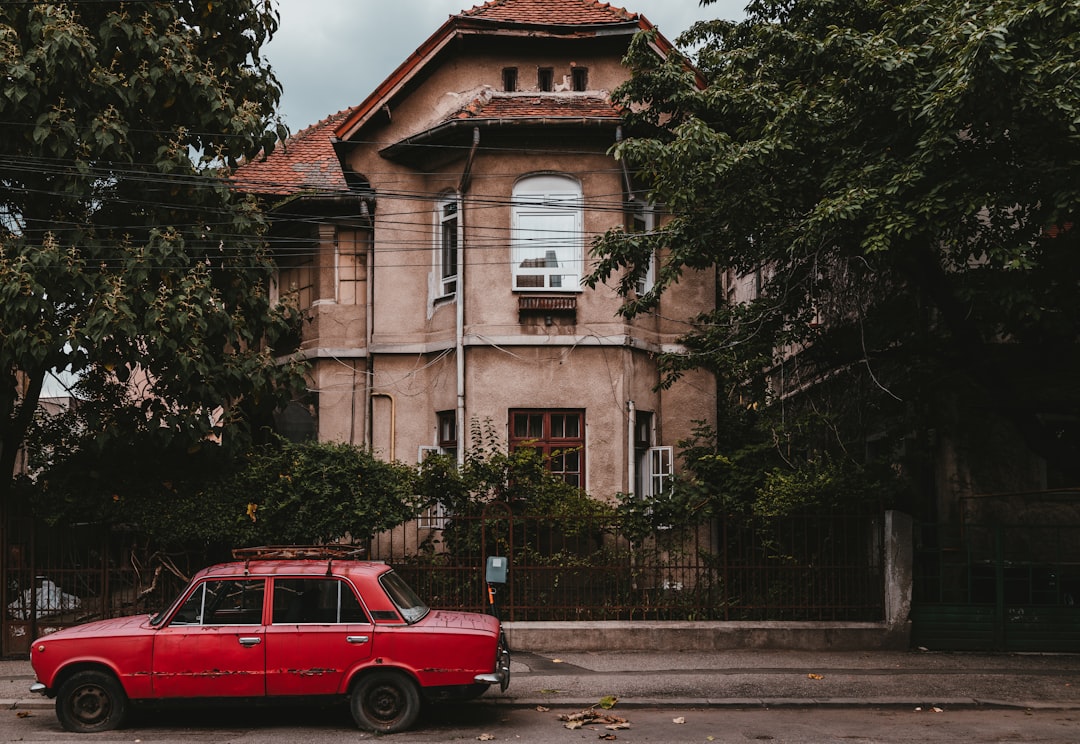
(91, 701)
(385, 702)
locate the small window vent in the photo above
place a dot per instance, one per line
(547, 304)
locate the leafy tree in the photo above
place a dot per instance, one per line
(313, 492)
(519, 478)
(900, 180)
(122, 249)
(276, 493)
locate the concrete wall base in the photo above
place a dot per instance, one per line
(705, 636)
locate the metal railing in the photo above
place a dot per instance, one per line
(813, 567)
(807, 567)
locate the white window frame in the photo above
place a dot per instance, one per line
(437, 515)
(659, 470)
(547, 241)
(446, 252)
(644, 221)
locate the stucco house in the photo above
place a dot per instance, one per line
(436, 236)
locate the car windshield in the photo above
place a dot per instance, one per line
(411, 607)
(163, 613)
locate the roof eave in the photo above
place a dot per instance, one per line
(447, 133)
(455, 27)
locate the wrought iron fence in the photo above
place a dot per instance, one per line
(808, 567)
(53, 578)
(814, 567)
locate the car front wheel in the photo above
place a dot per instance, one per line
(90, 701)
(385, 702)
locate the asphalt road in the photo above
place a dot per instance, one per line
(481, 721)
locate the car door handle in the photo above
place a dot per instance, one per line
(250, 641)
(356, 639)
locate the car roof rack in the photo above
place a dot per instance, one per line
(328, 553)
(297, 552)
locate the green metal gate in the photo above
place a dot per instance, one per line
(997, 587)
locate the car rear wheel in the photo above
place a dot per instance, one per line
(91, 701)
(385, 702)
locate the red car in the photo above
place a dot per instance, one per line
(270, 628)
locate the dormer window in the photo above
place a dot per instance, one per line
(510, 79)
(579, 77)
(545, 79)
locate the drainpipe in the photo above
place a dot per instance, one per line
(459, 343)
(628, 185)
(369, 334)
(368, 248)
(631, 460)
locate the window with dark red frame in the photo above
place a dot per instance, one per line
(559, 435)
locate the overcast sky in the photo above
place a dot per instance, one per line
(330, 54)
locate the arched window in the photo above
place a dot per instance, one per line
(547, 241)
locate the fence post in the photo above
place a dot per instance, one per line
(999, 588)
(899, 570)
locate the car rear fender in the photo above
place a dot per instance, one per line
(370, 666)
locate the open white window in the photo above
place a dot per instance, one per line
(653, 465)
(448, 237)
(547, 241)
(436, 515)
(659, 470)
(643, 220)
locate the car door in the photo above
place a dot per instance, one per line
(318, 631)
(213, 645)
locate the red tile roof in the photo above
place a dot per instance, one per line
(538, 105)
(551, 12)
(306, 162)
(498, 16)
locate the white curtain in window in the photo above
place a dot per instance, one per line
(547, 240)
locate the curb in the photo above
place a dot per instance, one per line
(766, 703)
(714, 703)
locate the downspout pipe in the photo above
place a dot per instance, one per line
(459, 335)
(627, 183)
(631, 460)
(369, 333)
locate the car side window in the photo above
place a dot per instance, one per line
(223, 602)
(315, 600)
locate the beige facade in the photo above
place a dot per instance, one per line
(444, 287)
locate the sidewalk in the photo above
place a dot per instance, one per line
(768, 678)
(749, 678)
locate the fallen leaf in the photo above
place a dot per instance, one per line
(815, 676)
(937, 710)
(592, 716)
(608, 737)
(710, 738)
(486, 737)
(542, 709)
(556, 661)
(680, 719)
(24, 714)
(608, 702)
